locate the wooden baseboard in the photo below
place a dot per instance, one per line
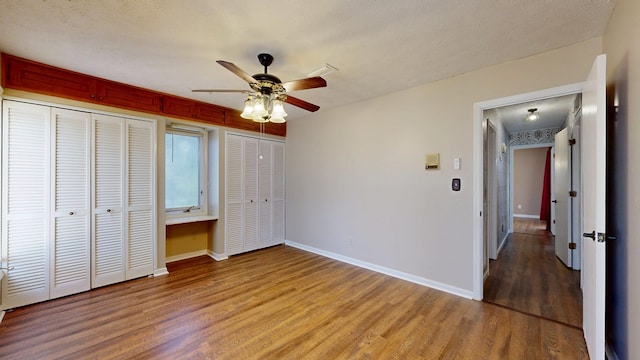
(384, 270)
(217, 257)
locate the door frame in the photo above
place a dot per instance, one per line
(478, 157)
(492, 191)
(512, 150)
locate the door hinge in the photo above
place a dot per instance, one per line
(573, 193)
(572, 142)
(572, 246)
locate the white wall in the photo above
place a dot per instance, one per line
(621, 42)
(356, 184)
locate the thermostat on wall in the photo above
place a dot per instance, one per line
(432, 162)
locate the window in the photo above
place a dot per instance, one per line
(185, 172)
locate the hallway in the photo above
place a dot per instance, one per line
(527, 277)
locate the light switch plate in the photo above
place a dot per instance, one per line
(456, 164)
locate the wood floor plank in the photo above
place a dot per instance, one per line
(277, 303)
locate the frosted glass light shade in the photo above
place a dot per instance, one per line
(248, 109)
(278, 113)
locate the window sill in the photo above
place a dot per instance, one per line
(189, 219)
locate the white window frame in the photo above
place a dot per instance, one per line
(203, 209)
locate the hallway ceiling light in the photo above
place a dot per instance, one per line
(532, 115)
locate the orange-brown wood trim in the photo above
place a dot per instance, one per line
(23, 74)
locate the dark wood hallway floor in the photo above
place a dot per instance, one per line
(528, 277)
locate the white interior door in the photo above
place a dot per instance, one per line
(25, 194)
(552, 215)
(265, 197)
(278, 194)
(107, 265)
(593, 134)
(492, 194)
(233, 195)
(140, 191)
(70, 248)
(562, 180)
(250, 181)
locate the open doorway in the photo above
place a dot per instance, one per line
(524, 272)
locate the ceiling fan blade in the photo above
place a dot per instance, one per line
(236, 70)
(301, 104)
(302, 84)
(221, 91)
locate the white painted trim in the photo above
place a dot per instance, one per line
(478, 108)
(1, 312)
(184, 256)
(217, 257)
(175, 220)
(384, 270)
(527, 216)
(161, 272)
(609, 351)
(503, 242)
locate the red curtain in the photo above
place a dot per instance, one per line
(545, 206)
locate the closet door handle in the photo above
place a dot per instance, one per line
(71, 213)
(109, 210)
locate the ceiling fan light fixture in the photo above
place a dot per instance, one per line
(248, 109)
(265, 100)
(277, 114)
(532, 115)
(259, 108)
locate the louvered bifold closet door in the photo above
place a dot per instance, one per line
(233, 195)
(265, 197)
(25, 203)
(278, 194)
(140, 198)
(107, 265)
(70, 255)
(250, 190)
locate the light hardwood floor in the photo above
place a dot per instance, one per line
(278, 303)
(528, 277)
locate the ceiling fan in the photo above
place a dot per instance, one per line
(264, 100)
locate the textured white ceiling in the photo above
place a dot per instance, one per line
(378, 46)
(553, 113)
